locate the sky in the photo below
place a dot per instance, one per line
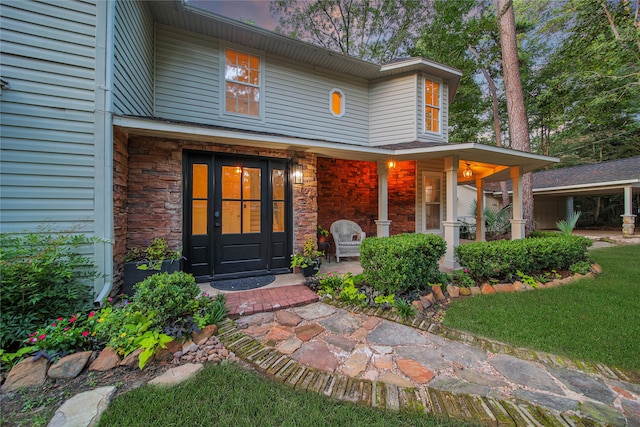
(256, 10)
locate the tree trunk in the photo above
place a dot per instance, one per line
(518, 126)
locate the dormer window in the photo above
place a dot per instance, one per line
(431, 106)
(242, 83)
(336, 102)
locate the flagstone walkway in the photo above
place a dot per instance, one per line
(378, 362)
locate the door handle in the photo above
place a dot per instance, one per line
(216, 215)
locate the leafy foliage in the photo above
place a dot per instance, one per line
(63, 336)
(151, 257)
(405, 309)
(42, 275)
(213, 311)
(309, 256)
(402, 262)
(502, 259)
(168, 296)
(566, 226)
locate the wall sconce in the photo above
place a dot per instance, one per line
(391, 164)
(467, 173)
(298, 176)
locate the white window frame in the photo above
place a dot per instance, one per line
(223, 82)
(423, 104)
(342, 102)
(440, 176)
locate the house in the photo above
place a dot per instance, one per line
(130, 120)
(554, 190)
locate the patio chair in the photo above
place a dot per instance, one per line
(347, 235)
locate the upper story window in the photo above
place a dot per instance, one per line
(242, 83)
(431, 106)
(336, 102)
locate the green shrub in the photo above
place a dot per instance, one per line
(405, 309)
(401, 263)
(168, 296)
(43, 275)
(502, 259)
(63, 336)
(213, 311)
(462, 279)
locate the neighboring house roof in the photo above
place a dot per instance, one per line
(183, 16)
(596, 177)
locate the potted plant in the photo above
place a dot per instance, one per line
(308, 260)
(323, 233)
(155, 258)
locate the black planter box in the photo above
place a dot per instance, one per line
(133, 275)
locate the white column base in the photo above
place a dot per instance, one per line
(628, 225)
(517, 229)
(382, 227)
(452, 238)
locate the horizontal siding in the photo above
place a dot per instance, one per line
(393, 110)
(47, 122)
(296, 97)
(133, 59)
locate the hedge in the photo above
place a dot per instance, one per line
(402, 262)
(501, 259)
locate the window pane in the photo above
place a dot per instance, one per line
(278, 217)
(432, 190)
(432, 216)
(251, 184)
(336, 103)
(200, 181)
(254, 77)
(243, 60)
(251, 217)
(436, 94)
(199, 217)
(278, 184)
(231, 182)
(232, 56)
(254, 62)
(231, 217)
(431, 119)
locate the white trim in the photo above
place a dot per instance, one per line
(343, 101)
(223, 81)
(440, 176)
(419, 61)
(578, 188)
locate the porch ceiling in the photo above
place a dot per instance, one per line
(489, 162)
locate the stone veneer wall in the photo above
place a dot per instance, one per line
(349, 190)
(153, 188)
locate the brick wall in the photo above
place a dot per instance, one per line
(349, 190)
(120, 175)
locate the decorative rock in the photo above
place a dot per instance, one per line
(107, 360)
(417, 305)
(415, 371)
(427, 300)
(167, 353)
(475, 290)
(518, 286)
(189, 346)
(437, 292)
(28, 373)
(596, 268)
(306, 332)
(83, 409)
(504, 287)
(204, 334)
(131, 359)
(177, 375)
(69, 366)
(288, 318)
(465, 292)
(487, 289)
(453, 291)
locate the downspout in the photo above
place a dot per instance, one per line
(103, 138)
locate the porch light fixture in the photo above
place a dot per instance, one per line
(391, 164)
(467, 173)
(298, 177)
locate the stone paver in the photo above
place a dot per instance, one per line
(317, 355)
(525, 373)
(177, 375)
(393, 334)
(306, 332)
(83, 409)
(342, 323)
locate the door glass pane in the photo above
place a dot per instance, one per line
(251, 217)
(231, 216)
(199, 217)
(278, 184)
(432, 216)
(231, 182)
(432, 190)
(278, 217)
(251, 184)
(200, 181)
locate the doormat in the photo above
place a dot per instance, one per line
(243, 284)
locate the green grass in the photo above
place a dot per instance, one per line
(229, 395)
(590, 320)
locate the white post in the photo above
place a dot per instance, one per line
(382, 223)
(517, 222)
(569, 206)
(451, 225)
(480, 226)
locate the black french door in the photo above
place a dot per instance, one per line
(237, 216)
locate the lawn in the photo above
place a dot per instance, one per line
(229, 395)
(590, 320)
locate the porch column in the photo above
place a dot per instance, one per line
(382, 223)
(569, 206)
(480, 226)
(517, 222)
(451, 225)
(628, 219)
